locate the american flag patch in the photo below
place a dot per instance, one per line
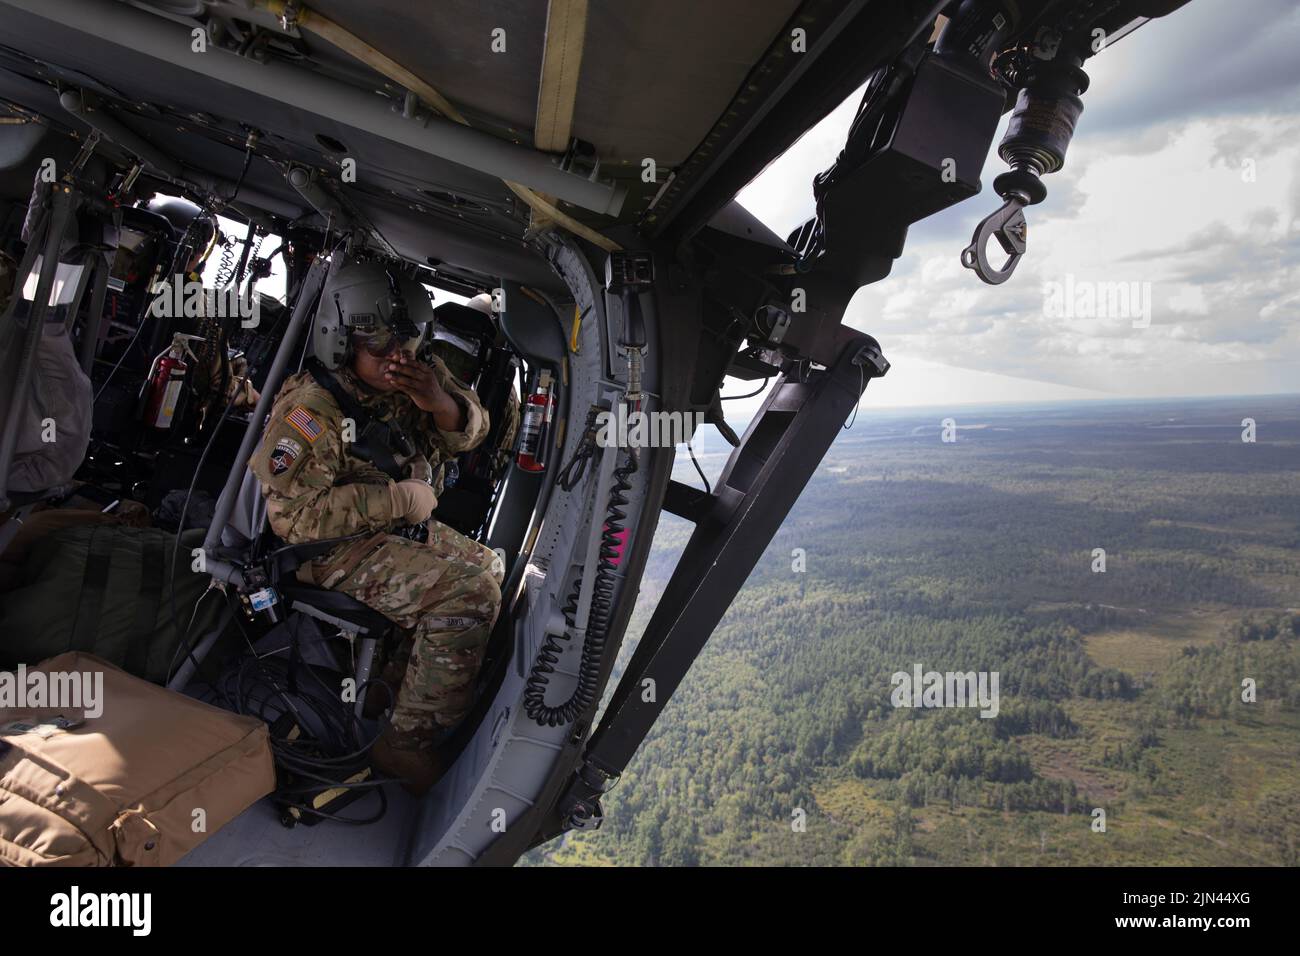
(303, 423)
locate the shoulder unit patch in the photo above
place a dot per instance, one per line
(286, 452)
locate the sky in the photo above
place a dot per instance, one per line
(1182, 181)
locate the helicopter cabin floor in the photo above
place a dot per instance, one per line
(257, 837)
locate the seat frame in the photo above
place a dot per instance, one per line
(361, 625)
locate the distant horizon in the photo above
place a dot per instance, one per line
(1107, 400)
(738, 417)
(707, 439)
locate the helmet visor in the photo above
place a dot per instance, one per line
(384, 343)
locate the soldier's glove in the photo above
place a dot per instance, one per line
(413, 500)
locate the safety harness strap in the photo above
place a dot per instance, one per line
(153, 567)
(94, 584)
(376, 439)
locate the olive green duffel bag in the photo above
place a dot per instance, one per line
(106, 590)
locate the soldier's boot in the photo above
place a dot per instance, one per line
(410, 756)
(448, 643)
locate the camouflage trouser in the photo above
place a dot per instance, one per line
(448, 593)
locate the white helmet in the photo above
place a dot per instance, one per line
(482, 303)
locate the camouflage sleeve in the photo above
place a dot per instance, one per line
(476, 416)
(509, 430)
(298, 463)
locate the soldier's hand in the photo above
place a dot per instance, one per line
(418, 381)
(413, 500)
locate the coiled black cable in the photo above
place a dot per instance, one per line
(602, 608)
(226, 268)
(572, 473)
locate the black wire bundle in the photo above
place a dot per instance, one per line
(708, 489)
(882, 88)
(327, 748)
(602, 607)
(572, 473)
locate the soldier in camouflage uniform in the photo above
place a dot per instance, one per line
(509, 431)
(444, 593)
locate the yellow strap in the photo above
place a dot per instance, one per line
(577, 326)
(557, 91)
(328, 30)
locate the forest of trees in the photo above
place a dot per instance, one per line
(981, 556)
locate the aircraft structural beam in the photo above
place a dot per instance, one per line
(765, 475)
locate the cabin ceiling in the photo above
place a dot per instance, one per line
(655, 77)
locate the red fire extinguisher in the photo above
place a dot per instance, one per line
(166, 376)
(535, 427)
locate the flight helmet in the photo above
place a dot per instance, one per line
(196, 230)
(458, 335)
(370, 305)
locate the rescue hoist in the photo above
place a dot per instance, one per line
(1051, 80)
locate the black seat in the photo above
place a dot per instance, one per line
(369, 630)
(282, 562)
(336, 604)
(464, 320)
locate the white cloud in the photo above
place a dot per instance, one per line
(1200, 207)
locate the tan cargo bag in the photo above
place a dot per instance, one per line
(134, 775)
